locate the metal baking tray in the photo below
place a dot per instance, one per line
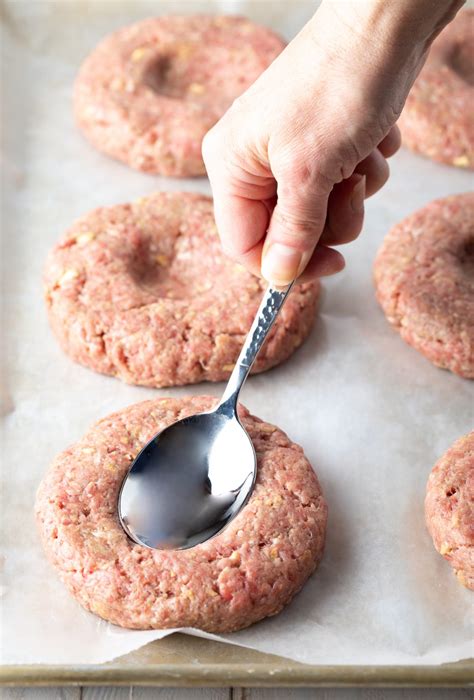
(183, 661)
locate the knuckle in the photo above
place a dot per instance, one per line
(345, 235)
(381, 175)
(303, 174)
(231, 249)
(350, 234)
(297, 225)
(210, 145)
(246, 102)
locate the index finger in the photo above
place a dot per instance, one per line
(242, 224)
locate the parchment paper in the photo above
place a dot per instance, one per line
(371, 413)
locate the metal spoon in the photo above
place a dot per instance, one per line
(191, 479)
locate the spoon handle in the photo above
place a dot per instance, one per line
(270, 306)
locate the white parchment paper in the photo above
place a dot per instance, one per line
(371, 413)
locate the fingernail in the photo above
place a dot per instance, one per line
(280, 263)
(358, 196)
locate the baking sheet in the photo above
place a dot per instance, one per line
(371, 413)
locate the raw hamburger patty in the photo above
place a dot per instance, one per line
(424, 278)
(149, 92)
(449, 508)
(437, 118)
(249, 571)
(142, 291)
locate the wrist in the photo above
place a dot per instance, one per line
(407, 21)
(377, 46)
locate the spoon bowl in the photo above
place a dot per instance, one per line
(188, 482)
(193, 477)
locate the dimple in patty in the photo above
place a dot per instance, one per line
(143, 292)
(149, 92)
(424, 281)
(251, 570)
(437, 118)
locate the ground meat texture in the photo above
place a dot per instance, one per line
(143, 292)
(149, 92)
(424, 279)
(449, 508)
(437, 119)
(251, 570)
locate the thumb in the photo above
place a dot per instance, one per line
(295, 227)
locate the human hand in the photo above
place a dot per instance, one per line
(293, 159)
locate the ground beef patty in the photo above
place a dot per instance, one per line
(149, 92)
(252, 569)
(142, 291)
(449, 508)
(424, 278)
(437, 118)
